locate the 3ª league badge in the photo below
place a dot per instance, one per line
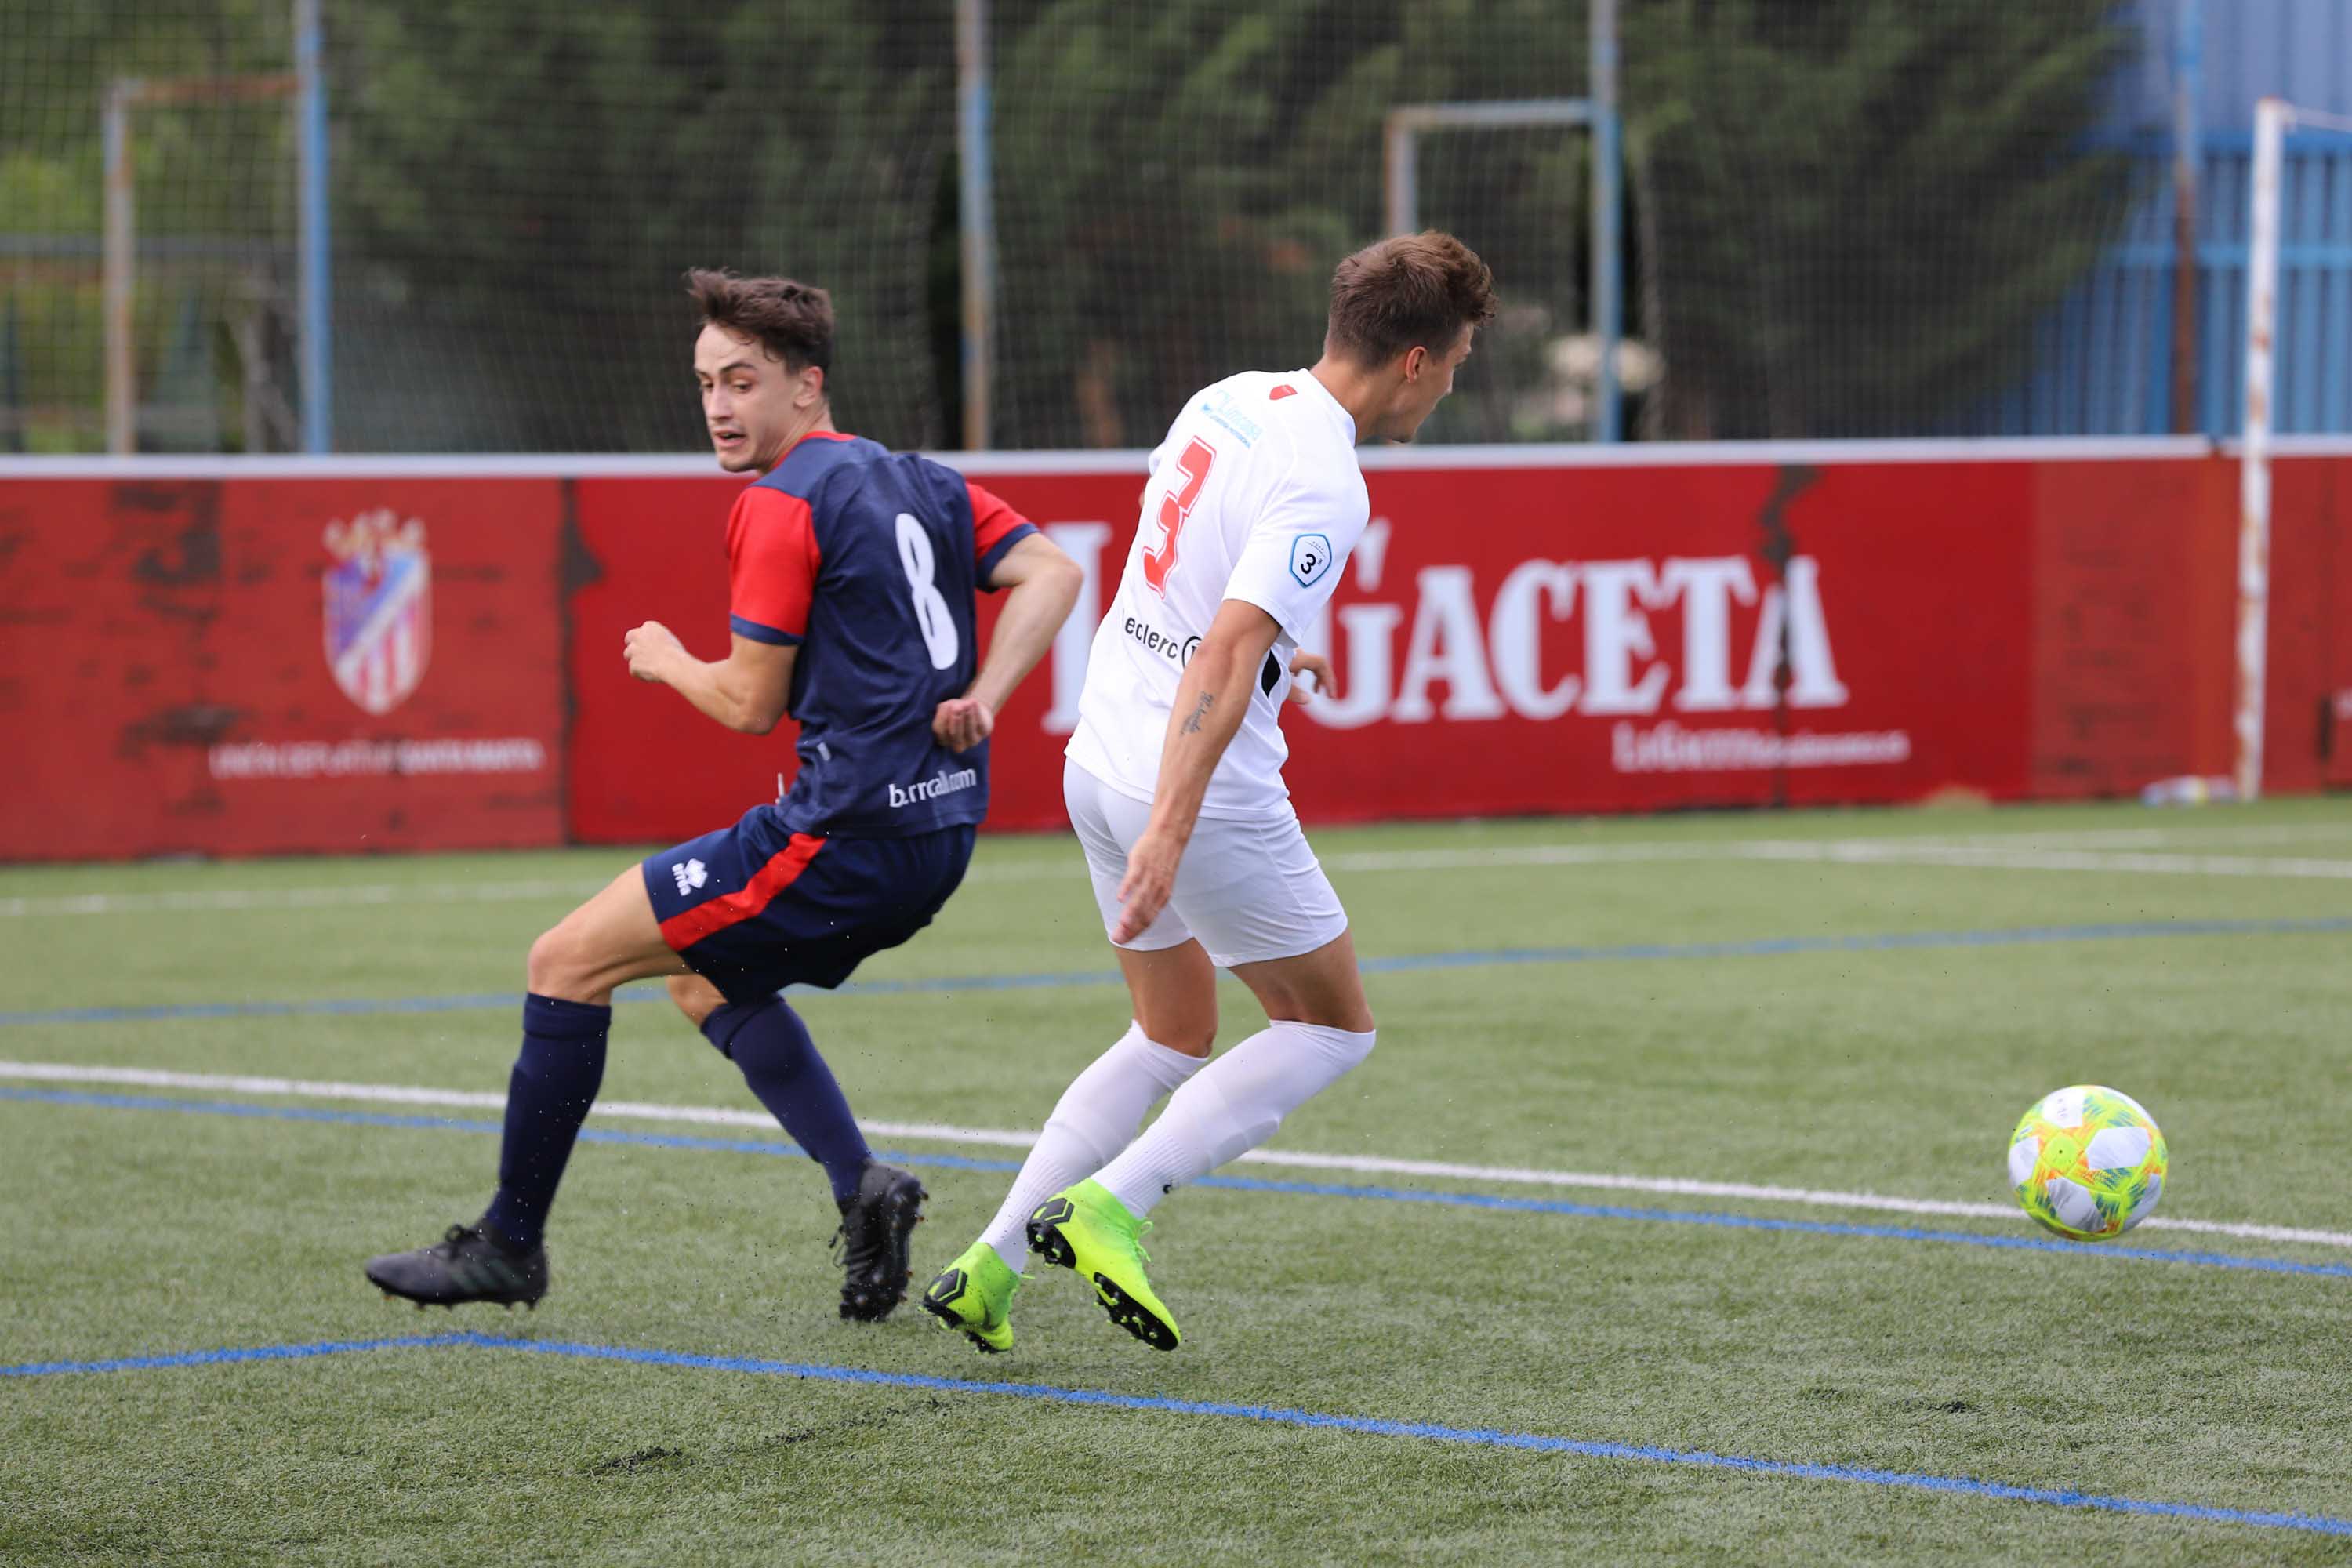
(1310, 557)
(379, 607)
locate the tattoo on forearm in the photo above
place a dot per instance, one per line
(1192, 724)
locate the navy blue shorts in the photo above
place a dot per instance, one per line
(755, 908)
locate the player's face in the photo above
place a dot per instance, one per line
(1428, 378)
(749, 403)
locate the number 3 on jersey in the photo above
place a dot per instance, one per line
(1175, 507)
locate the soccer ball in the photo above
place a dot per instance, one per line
(2087, 1162)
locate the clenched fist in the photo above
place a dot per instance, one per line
(962, 722)
(649, 650)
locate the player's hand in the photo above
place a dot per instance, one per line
(1311, 677)
(649, 648)
(1150, 878)
(962, 722)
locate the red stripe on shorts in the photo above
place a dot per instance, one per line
(686, 928)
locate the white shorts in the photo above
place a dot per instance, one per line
(1250, 891)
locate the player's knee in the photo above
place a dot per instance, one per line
(1193, 1033)
(696, 998)
(1326, 1007)
(557, 963)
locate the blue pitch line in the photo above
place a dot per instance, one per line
(258, 1353)
(1503, 1202)
(1765, 947)
(1429, 1431)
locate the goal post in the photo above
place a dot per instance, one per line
(2274, 117)
(1406, 124)
(304, 89)
(2271, 118)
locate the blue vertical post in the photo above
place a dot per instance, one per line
(315, 286)
(976, 219)
(1607, 307)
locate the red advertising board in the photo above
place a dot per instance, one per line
(333, 659)
(237, 668)
(644, 765)
(1532, 639)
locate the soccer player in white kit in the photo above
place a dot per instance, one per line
(1174, 782)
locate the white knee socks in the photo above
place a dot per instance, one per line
(1097, 1117)
(1233, 1106)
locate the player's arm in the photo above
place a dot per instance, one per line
(747, 691)
(1209, 702)
(1045, 582)
(772, 569)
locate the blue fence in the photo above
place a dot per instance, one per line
(2102, 360)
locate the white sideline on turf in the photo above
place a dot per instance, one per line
(1876, 852)
(2021, 852)
(1006, 1138)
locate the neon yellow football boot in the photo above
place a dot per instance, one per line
(1086, 1229)
(973, 1296)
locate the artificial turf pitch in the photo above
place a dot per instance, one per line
(1378, 1366)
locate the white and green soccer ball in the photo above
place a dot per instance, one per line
(2087, 1162)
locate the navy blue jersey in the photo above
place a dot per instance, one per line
(866, 560)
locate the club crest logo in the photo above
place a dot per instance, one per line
(379, 607)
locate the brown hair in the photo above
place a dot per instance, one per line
(1416, 290)
(792, 322)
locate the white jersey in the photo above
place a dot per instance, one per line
(1256, 495)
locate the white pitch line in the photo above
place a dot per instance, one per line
(2187, 836)
(2028, 854)
(338, 895)
(471, 1100)
(1007, 1138)
(1862, 852)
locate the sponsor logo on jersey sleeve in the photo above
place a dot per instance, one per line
(1222, 407)
(1310, 557)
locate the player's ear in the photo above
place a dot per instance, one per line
(812, 387)
(1415, 359)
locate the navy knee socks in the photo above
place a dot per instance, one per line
(554, 1082)
(768, 1041)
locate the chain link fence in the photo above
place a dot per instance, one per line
(1842, 217)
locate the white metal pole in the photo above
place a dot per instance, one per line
(121, 359)
(1399, 150)
(2272, 117)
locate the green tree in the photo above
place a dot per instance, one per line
(1175, 182)
(1858, 209)
(1850, 213)
(521, 188)
(211, 183)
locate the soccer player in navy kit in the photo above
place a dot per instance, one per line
(852, 571)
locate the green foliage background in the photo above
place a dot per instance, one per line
(1847, 213)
